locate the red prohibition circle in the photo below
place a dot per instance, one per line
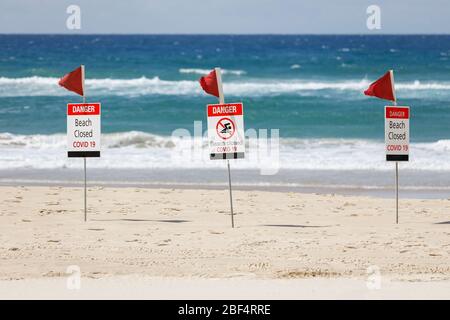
(223, 128)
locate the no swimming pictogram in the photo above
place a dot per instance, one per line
(225, 128)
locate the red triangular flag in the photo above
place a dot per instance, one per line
(74, 81)
(383, 88)
(209, 83)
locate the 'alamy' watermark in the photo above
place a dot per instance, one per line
(262, 150)
(374, 19)
(73, 281)
(373, 281)
(73, 21)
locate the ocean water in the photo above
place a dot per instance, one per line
(307, 87)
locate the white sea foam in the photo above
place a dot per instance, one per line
(44, 86)
(207, 71)
(144, 150)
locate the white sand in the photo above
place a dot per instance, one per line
(141, 287)
(156, 234)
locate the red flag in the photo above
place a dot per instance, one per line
(209, 83)
(383, 88)
(74, 81)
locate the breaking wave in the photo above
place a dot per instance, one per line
(135, 149)
(206, 71)
(46, 86)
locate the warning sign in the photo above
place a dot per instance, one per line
(226, 131)
(397, 133)
(83, 129)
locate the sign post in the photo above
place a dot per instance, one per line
(83, 135)
(226, 132)
(84, 161)
(396, 129)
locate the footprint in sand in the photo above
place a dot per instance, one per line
(56, 203)
(44, 212)
(170, 211)
(164, 242)
(12, 201)
(348, 204)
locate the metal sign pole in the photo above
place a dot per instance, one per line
(222, 101)
(396, 191)
(85, 179)
(85, 192)
(396, 162)
(231, 196)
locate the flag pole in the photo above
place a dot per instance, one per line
(222, 101)
(396, 192)
(84, 158)
(396, 162)
(231, 196)
(85, 193)
(396, 186)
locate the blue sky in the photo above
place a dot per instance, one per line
(226, 16)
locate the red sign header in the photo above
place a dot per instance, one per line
(227, 109)
(397, 112)
(83, 109)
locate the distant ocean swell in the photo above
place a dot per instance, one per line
(135, 150)
(47, 86)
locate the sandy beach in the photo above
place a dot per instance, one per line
(186, 234)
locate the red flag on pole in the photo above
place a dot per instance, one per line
(383, 88)
(74, 81)
(209, 83)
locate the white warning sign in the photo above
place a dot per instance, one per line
(83, 129)
(396, 130)
(226, 131)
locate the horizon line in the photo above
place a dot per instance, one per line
(226, 34)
